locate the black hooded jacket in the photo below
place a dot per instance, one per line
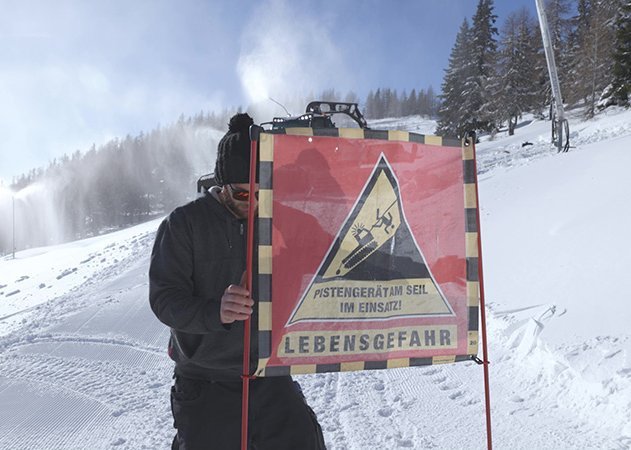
(200, 249)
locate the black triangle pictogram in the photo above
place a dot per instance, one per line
(374, 270)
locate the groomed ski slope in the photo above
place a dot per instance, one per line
(83, 362)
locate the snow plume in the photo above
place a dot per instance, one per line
(29, 215)
(120, 184)
(288, 56)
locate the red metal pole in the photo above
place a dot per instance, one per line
(245, 401)
(485, 355)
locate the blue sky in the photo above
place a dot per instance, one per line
(75, 72)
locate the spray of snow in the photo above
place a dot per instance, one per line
(286, 54)
(39, 218)
(30, 215)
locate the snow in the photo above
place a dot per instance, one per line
(41, 274)
(416, 124)
(83, 361)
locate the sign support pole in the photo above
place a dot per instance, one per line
(246, 377)
(13, 248)
(485, 355)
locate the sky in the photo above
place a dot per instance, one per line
(75, 73)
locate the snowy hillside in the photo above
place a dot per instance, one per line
(83, 362)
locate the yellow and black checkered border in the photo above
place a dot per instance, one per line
(297, 369)
(264, 222)
(266, 148)
(365, 133)
(472, 244)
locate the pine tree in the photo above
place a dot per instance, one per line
(578, 65)
(451, 115)
(621, 84)
(596, 52)
(379, 110)
(330, 95)
(387, 103)
(393, 105)
(424, 103)
(403, 103)
(411, 104)
(369, 108)
(481, 85)
(351, 97)
(517, 82)
(560, 25)
(432, 103)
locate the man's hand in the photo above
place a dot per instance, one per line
(236, 303)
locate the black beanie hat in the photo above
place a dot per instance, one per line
(233, 152)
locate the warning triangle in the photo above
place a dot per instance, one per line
(374, 270)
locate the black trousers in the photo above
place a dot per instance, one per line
(207, 415)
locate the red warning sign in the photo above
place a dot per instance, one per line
(365, 253)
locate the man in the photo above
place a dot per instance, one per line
(196, 288)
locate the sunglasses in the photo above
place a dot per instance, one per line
(241, 195)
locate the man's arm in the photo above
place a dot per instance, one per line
(171, 281)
